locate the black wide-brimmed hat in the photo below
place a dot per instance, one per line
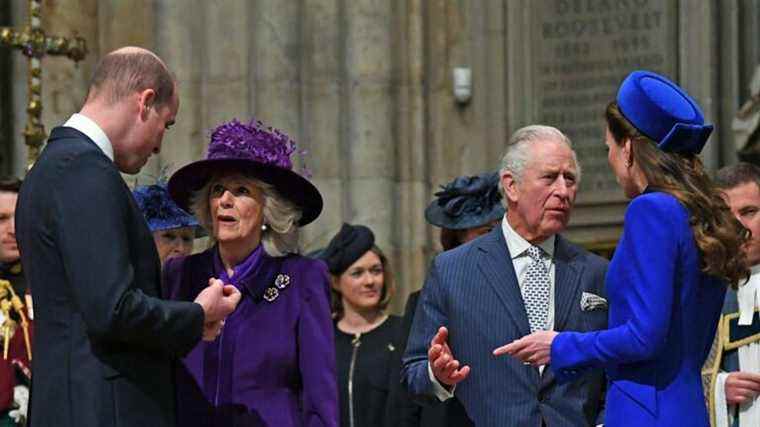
(253, 150)
(466, 202)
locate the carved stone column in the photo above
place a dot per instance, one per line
(180, 31)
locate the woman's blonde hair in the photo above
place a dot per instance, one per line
(280, 216)
(389, 287)
(718, 234)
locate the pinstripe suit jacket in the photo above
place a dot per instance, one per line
(473, 291)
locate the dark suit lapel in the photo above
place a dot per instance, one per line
(566, 282)
(496, 265)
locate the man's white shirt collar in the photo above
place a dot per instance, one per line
(518, 245)
(748, 297)
(91, 129)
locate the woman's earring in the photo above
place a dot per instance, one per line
(263, 227)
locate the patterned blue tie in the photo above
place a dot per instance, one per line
(535, 290)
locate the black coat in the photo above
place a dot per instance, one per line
(104, 343)
(376, 358)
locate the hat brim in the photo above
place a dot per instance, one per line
(297, 189)
(198, 230)
(435, 215)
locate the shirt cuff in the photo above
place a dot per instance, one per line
(721, 406)
(439, 390)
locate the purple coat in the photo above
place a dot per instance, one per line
(274, 363)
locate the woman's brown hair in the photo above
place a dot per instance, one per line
(718, 234)
(389, 287)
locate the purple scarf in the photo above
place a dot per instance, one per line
(241, 272)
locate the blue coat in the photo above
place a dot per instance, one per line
(663, 316)
(473, 291)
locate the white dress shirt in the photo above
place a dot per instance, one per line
(748, 298)
(518, 250)
(91, 129)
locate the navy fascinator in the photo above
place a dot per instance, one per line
(160, 211)
(466, 202)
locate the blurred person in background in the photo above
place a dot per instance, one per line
(366, 337)
(734, 395)
(15, 374)
(174, 230)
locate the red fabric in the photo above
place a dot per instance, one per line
(16, 355)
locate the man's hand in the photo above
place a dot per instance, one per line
(534, 349)
(218, 301)
(212, 330)
(741, 387)
(445, 368)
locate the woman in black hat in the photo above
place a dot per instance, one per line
(274, 361)
(365, 336)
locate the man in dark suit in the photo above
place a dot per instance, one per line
(104, 341)
(521, 277)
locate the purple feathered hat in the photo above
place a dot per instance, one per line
(254, 150)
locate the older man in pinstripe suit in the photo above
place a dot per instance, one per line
(521, 277)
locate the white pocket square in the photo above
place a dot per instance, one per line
(591, 301)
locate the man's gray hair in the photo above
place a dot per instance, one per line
(281, 217)
(517, 154)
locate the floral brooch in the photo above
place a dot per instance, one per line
(281, 282)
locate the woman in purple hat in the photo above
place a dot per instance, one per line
(679, 250)
(274, 361)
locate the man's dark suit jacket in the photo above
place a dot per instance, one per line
(105, 343)
(473, 291)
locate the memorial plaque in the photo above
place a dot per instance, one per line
(581, 51)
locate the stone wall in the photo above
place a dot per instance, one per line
(366, 87)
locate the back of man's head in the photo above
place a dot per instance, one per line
(735, 175)
(9, 184)
(129, 70)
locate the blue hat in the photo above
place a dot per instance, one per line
(662, 111)
(466, 202)
(160, 211)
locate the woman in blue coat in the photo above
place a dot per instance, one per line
(679, 250)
